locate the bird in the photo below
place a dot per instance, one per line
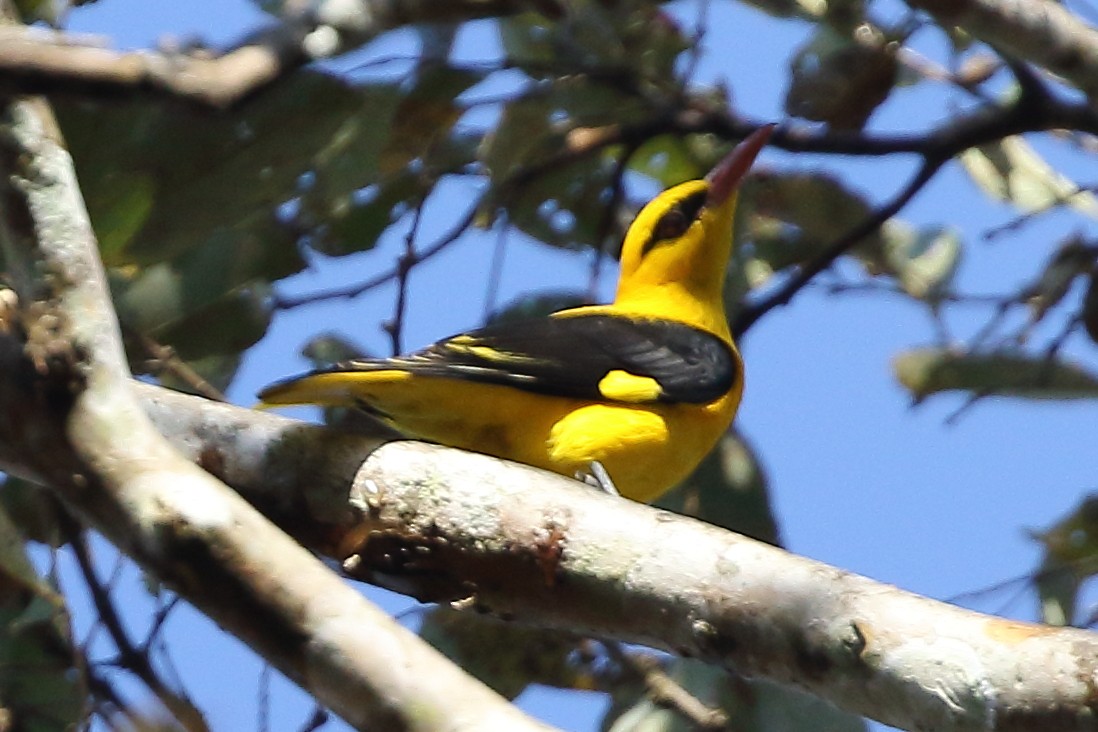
(639, 389)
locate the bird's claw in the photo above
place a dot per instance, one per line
(596, 476)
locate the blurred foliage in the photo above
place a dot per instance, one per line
(841, 77)
(1011, 170)
(754, 705)
(34, 510)
(200, 215)
(506, 656)
(728, 489)
(1070, 559)
(42, 686)
(927, 371)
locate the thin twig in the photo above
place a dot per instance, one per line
(318, 719)
(1017, 222)
(666, 692)
(159, 619)
(405, 262)
(701, 27)
(164, 360)
(995, 321)
(130, 656)
(1058, 341)
(287, 302)
(750, 314)
(264, 702)
(104, 692)
(495, 269)
(608, 220)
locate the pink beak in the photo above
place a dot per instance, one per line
(728, 173)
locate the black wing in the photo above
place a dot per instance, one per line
(569, 356)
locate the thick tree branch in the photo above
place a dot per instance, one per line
(1039, 31)
(38, 61)
(450, 526)
(35, 61)
(71, 419)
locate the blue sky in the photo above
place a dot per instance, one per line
(859, 479)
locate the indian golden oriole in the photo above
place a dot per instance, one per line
(643, 386)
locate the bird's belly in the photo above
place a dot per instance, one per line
(646, 449)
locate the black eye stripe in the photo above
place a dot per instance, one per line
(674, 223)
(677, 219)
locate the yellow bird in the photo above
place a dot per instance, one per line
(643, 387)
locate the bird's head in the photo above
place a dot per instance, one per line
(683, 237)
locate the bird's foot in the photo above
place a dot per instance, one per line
(597, 477)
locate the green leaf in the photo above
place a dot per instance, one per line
(329, 348)
(359, 226)
(668, 159)
(928, 371)
(185, 305)
(840, 80)
(754, 705)
(924, 261)
(124, 204)
(168, 179)
(33, 510)
(630, 40)
(524, 135)
(1074, 258)
(226, 326)
(506, 656)
(351, 158)
(580, 101)
(787, 219)
(425, 114)
(527, 39)
(773, 707)
(208, 330)
(730, 489)
(163, 293)
(217, 370)
(1010, 170)
(50, 12)
(1057, 593)
(41, 685)
(564, 207)
(606, 61)
(1071, 557)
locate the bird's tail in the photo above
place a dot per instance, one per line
(339, 387)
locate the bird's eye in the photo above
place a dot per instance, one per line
(672, 225)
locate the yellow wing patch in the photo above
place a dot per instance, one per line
(622, 386)
(465, 344)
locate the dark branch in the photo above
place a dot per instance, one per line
(130, 657)
(749, 315)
